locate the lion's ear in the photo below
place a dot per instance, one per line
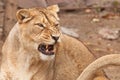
(23, 15)
(53, 8)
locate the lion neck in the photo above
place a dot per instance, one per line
(34, 68)
(26, 66)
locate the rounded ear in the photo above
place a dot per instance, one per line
(23, 15)
(53, 8)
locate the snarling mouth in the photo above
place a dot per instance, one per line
(46, 49)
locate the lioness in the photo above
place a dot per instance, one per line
(113, 59)
(35, 49)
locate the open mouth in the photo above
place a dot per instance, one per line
(46, 49)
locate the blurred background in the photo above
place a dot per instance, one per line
(95, 22)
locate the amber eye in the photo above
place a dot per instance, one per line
(39, 24)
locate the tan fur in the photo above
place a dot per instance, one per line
(21, 59)
(113, 59)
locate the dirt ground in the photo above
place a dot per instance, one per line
(87, 26)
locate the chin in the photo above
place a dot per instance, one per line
(47, 57)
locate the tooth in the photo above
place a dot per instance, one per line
(47, 50)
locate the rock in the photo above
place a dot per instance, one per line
(110, 34)
(88, 10)
(95, 20)
(101, 3)
(70, 31)
(108, 15)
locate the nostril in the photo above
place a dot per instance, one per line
(55, 38)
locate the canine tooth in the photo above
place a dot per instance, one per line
(46, 46)
(47, 50)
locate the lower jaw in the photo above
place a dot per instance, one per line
(48, 53)
(47, 57)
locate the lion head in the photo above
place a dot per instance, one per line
(39, 30)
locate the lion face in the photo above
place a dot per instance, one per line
(39, 30)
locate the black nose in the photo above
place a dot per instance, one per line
(55, 38)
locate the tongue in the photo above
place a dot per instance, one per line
(50, 47)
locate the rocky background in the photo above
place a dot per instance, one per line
(94, 22)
